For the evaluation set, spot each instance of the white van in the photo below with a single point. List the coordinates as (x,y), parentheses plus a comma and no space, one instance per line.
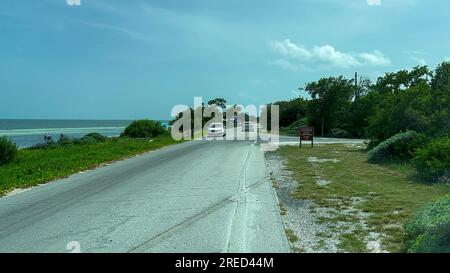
(216,130)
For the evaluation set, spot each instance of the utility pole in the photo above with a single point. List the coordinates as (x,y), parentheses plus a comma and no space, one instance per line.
(323,121)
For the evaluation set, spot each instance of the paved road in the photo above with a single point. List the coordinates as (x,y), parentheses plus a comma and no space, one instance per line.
(200,196)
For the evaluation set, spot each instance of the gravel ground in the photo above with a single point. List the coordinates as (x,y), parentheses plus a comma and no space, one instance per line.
(302,217)
(297,214)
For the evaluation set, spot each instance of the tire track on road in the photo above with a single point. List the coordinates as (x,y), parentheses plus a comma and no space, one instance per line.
(242,190)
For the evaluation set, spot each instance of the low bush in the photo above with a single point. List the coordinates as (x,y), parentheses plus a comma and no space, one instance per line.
(429,230)
(40,146)
(339,133)
(144,129)
(89,140)
(98,137)
(433,161)
(65,140)
(372,144)
(401,147)
(293,129)
(8,150)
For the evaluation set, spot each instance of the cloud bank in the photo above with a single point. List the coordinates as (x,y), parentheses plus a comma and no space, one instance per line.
(324,55)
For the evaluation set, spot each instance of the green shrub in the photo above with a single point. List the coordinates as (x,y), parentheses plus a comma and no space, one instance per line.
(293,129)
(89,140)
(429,230)
(372,144)
(96,136)
(401,147)
(8,151)
(433,160)
(47,145)
(65,140)
(339,133)
(144,129)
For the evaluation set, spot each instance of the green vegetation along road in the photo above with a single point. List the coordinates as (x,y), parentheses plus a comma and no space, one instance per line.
(334,200)
(37,166)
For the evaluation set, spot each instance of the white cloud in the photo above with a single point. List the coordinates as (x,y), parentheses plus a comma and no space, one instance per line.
(324,55)
(374,2)
(376,58)
(329,54)
(290,49)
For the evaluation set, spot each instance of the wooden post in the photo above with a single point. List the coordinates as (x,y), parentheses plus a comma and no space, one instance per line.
(300,136)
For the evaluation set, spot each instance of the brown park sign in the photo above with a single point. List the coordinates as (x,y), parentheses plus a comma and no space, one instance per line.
(307,134)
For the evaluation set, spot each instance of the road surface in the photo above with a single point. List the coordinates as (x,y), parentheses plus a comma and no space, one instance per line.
(200,196)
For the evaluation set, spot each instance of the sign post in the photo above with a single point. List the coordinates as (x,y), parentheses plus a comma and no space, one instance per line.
(307,134)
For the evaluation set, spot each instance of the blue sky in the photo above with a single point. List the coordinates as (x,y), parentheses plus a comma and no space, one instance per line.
(117,59)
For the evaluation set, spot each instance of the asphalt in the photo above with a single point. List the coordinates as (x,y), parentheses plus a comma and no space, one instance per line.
(199,196)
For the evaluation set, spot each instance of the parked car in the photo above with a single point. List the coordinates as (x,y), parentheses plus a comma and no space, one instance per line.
(216,130)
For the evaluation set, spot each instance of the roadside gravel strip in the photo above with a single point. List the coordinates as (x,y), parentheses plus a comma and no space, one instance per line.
(297,215)
(302,225)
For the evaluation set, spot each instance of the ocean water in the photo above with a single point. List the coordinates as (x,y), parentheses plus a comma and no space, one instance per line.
(26,133)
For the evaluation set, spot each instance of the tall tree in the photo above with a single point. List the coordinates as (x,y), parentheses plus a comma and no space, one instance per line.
(330,98)
(222,103)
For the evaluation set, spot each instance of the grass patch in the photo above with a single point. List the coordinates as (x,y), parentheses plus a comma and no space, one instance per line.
(384,197)
(282,210)
(33,167)
(351,242)
(291,236)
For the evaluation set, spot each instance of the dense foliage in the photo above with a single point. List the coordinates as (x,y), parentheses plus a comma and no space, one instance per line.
(433,160)
(144,129)
(8,151)
(292,111)
(292,130)
(401,146)
(429,230)
(339,133)
(98,137)
(416,99)
(331,99)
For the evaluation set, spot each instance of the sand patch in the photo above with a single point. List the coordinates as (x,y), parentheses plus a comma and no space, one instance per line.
(314,159)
